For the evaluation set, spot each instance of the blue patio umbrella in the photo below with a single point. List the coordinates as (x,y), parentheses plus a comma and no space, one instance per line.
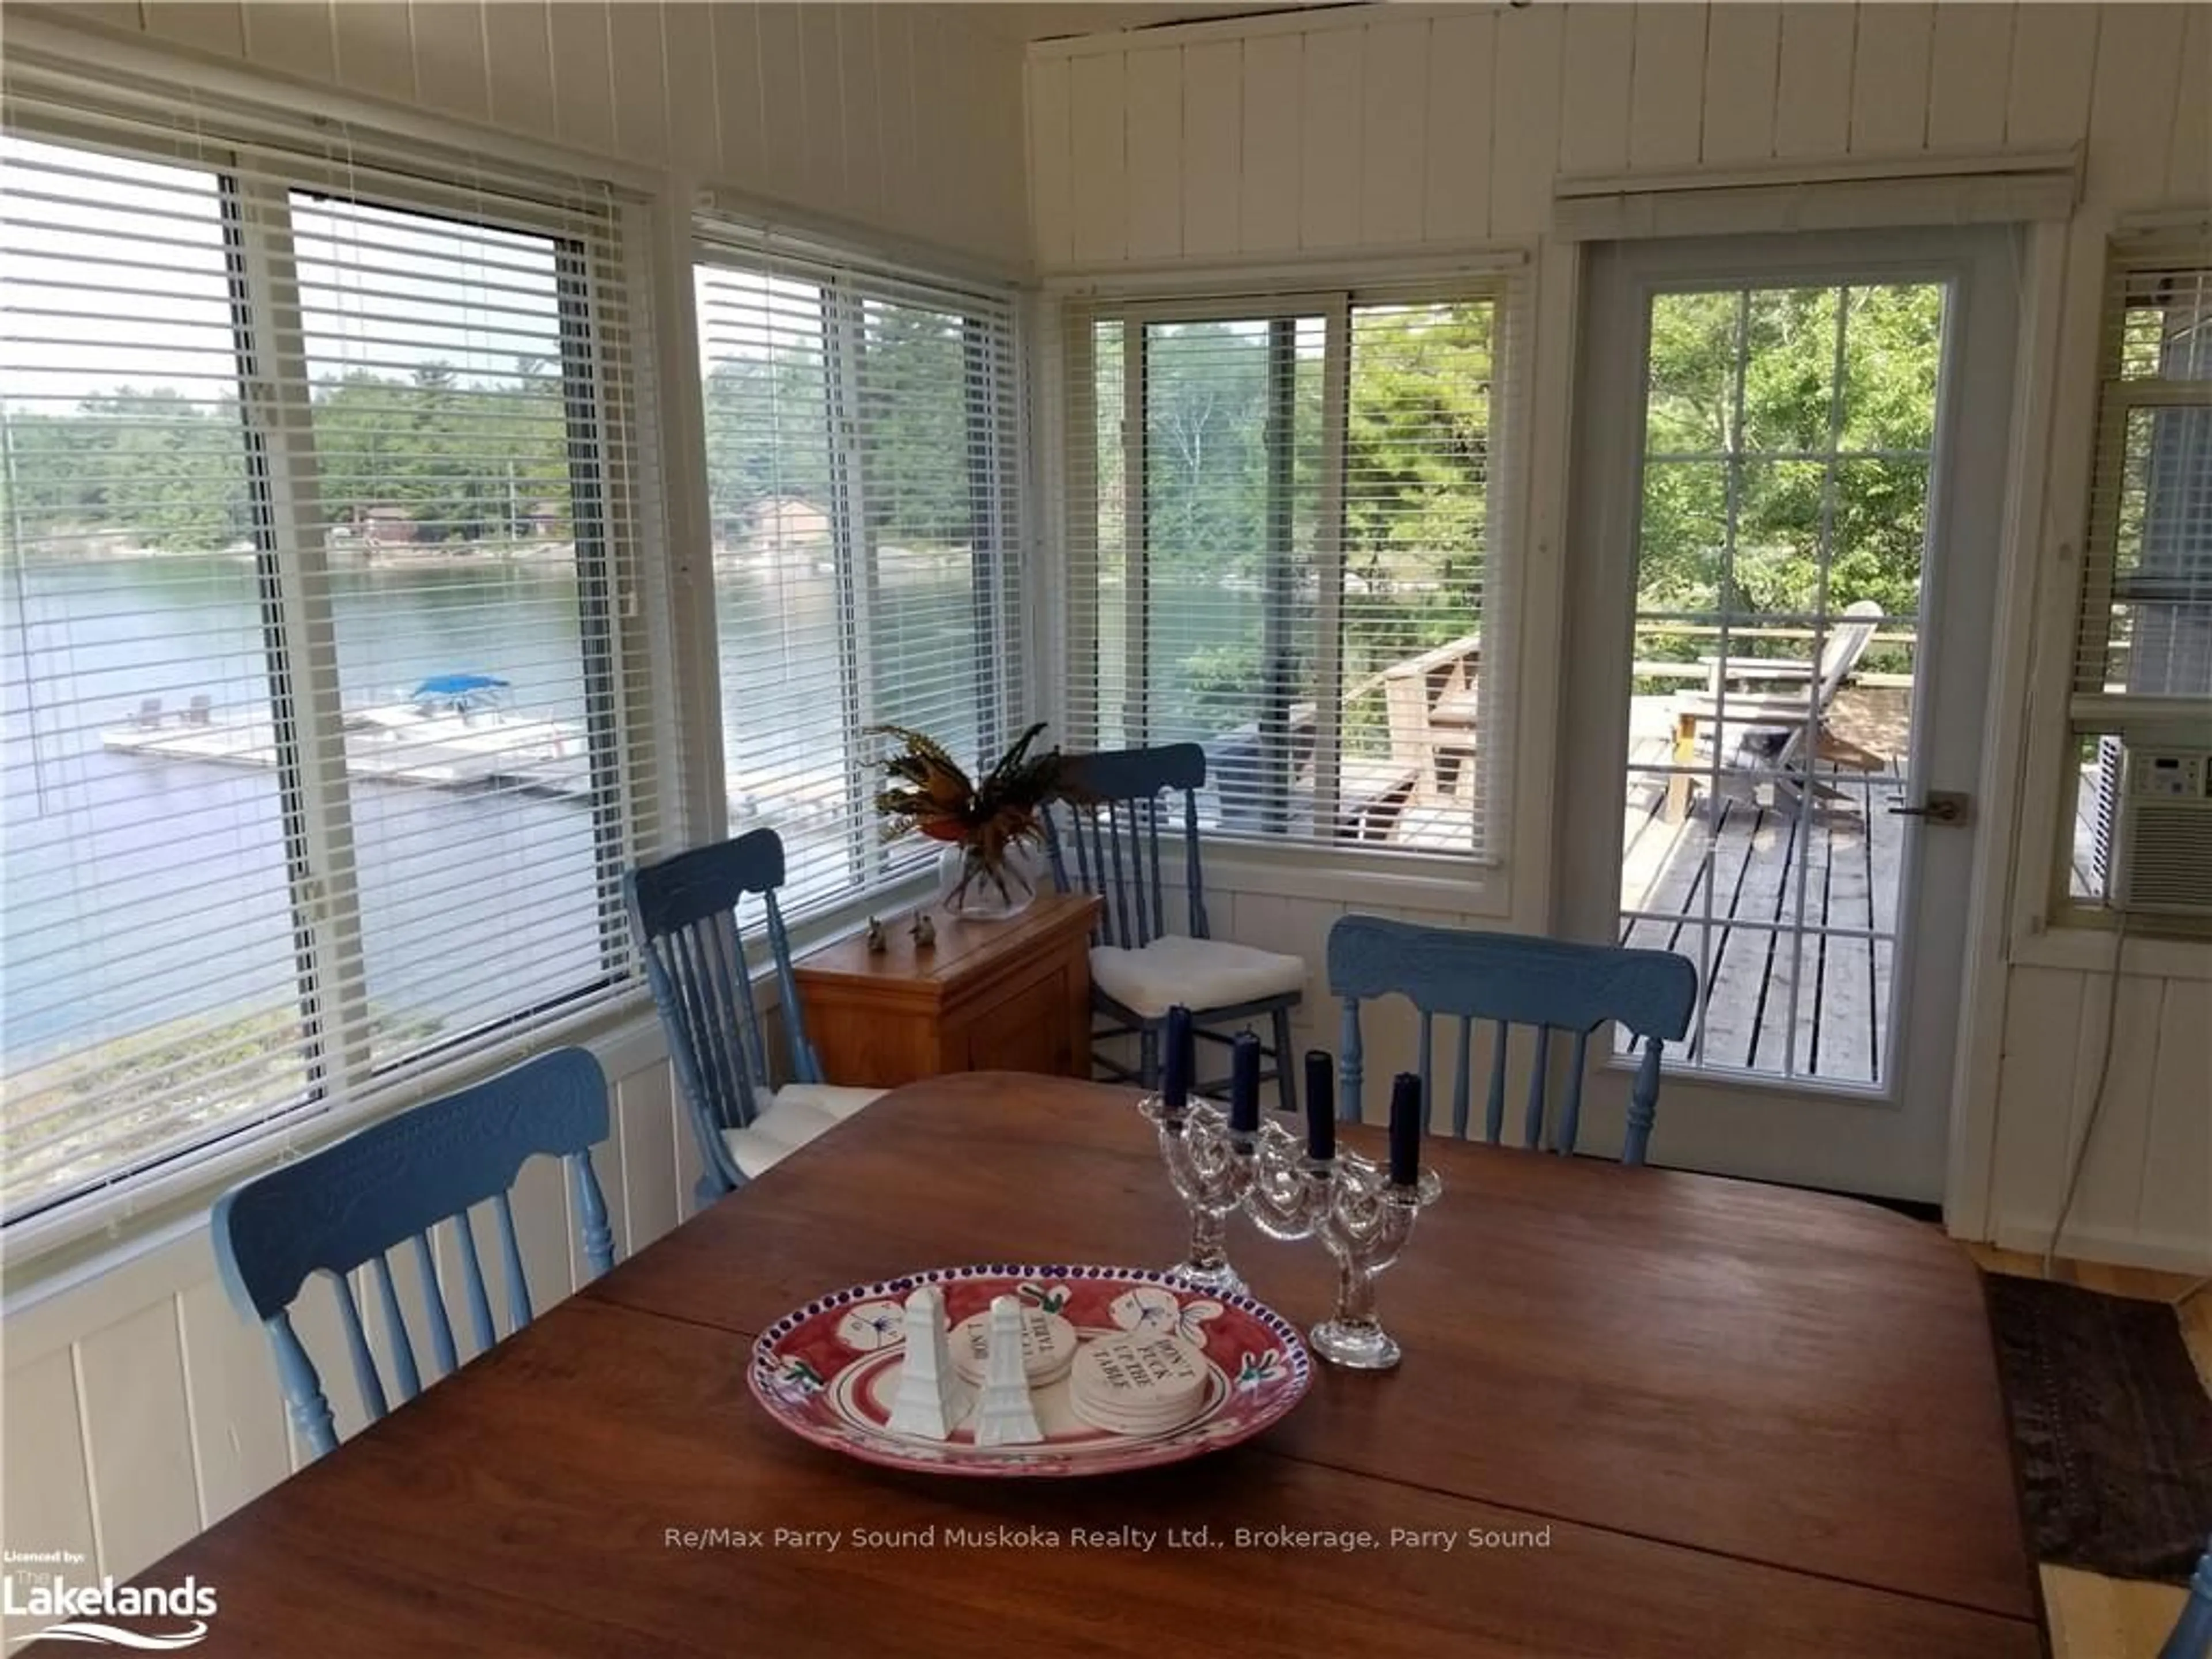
(457,685)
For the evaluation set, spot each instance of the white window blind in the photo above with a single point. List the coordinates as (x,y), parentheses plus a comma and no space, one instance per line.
(1283,538)
(861,442)
(2146,624)
(2143,634)
(328,735)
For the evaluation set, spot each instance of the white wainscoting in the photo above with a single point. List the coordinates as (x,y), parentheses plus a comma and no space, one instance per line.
(2145,1191)
(139,1405)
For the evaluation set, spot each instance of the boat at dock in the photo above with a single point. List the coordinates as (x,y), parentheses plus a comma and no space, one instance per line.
(452,732)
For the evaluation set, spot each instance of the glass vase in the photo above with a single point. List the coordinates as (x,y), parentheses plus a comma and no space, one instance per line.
(974,888)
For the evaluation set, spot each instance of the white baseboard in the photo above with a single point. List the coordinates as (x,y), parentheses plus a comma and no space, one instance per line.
(2168,1253)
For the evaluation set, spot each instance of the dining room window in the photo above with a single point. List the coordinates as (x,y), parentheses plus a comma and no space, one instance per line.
(1283,537)
(2142,629)
(862,444)
(318,603)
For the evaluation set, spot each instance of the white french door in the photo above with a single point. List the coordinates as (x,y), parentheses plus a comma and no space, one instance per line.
(1791,467)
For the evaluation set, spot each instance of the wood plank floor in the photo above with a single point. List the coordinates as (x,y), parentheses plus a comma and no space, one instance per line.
(2093,1617)
(1723,886)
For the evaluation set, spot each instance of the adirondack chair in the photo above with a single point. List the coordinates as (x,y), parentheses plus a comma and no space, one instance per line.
(1110,844)
(2192,1631)
(1430,704)
(1551,985)
(349,1204)
(684,915)
(1785,731)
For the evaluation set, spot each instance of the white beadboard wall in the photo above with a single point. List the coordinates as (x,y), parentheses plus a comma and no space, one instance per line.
(1373,129)
(904,117)
(1376,131)
(139,1405)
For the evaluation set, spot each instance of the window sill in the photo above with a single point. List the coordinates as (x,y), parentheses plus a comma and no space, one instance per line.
(94,1235)
(846,917)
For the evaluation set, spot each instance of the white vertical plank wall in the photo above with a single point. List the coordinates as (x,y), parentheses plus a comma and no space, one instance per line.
(1504,99)
(904,118)
(1154,88)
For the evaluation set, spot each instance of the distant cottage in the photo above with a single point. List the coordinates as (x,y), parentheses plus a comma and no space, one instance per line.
(384,526)
(786,525)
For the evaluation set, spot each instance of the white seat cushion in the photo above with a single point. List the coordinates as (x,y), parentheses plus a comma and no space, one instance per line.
(839,1102)
(1194,973)
(799,1112)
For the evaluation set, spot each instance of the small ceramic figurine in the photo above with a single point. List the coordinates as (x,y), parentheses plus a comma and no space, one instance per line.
(931,1398)
(878,944)
(925,930)
(1004,1416)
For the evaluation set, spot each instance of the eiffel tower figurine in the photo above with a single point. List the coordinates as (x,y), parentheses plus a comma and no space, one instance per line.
(1004,1417)
(929,1397)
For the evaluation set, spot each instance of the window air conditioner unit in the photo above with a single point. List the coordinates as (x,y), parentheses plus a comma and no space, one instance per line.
(2153,827)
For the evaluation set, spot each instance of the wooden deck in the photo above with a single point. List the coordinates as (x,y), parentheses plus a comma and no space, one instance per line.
(1723,886)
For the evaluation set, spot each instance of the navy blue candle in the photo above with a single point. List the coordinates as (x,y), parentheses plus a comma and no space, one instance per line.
(1320,1104)
(1175,1070)
(1406,1129)
(1245,1083)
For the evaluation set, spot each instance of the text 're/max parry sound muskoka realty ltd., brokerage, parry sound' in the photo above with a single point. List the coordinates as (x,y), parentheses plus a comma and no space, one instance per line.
(1142,1540)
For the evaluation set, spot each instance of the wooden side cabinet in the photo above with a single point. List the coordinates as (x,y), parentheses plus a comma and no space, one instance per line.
(989,996)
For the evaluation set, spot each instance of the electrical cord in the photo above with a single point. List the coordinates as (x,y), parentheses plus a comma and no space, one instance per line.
(2097,1100)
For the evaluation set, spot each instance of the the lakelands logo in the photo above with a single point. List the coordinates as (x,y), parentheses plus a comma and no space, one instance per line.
(33,1586)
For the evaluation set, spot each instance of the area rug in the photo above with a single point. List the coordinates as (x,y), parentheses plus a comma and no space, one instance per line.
(2111,1429)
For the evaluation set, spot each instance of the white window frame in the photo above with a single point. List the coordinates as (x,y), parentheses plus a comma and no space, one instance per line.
(843,272)
(1474,885)
(2085,624)
(504,184)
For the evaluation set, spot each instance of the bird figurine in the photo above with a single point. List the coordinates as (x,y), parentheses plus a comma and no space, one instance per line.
(878,942)
(925,931)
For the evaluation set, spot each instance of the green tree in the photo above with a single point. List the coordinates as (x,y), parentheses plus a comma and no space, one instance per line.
(1416,469)
(153,466)
(1799,478)
(914,440)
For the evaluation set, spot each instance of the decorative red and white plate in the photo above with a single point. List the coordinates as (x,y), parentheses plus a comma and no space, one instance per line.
(829,1371)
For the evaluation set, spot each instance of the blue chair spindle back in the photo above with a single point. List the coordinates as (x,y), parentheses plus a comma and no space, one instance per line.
(355,1200)
(2192,1631)
(1107,840)
(1509,979)
(683,913)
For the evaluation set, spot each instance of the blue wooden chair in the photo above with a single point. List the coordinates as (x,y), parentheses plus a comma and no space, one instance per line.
(358,1199)
(684,913)
(2192,1631)
(1108,840)
(1551,985)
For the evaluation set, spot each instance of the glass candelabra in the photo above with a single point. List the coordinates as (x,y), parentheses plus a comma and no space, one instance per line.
(1210,1166)
(1364,1222)
(1362,1215)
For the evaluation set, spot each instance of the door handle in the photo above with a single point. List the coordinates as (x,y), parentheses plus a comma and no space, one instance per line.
(1941,806)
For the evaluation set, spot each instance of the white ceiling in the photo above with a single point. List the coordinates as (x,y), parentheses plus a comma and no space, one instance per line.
(1044,19)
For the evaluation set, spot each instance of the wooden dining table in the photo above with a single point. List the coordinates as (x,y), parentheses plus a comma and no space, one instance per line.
(1641,1413)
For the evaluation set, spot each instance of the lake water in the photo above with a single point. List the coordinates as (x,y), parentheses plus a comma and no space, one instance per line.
(141,891)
